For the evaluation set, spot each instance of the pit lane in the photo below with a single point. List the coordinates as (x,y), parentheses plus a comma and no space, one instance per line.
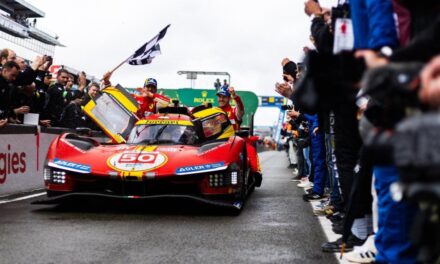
(276,226)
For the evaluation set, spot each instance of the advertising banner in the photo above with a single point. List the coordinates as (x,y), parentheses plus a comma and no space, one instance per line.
(18,163)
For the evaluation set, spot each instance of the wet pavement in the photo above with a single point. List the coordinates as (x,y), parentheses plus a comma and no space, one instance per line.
(275,226)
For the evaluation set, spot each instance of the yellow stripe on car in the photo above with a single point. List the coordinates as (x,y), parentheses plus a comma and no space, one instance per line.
(121,98)
(208,112)
(165,122)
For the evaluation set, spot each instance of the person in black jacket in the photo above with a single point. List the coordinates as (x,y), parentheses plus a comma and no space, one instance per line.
(57,100)
(8,75)
(321,31)
(72,115)
(28,75)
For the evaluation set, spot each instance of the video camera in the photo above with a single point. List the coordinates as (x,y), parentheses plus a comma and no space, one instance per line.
(392,91)
(402,135)
(417,156)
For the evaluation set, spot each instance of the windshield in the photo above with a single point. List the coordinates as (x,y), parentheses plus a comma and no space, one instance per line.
(165,133)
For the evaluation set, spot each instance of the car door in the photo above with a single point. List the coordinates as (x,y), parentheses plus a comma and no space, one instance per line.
(113,110)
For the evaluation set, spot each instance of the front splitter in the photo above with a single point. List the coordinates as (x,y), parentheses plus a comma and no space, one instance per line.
(68,196)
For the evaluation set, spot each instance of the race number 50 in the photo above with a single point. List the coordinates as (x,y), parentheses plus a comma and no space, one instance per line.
(137,158)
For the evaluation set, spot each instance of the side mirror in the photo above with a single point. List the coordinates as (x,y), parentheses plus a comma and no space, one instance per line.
(242,133)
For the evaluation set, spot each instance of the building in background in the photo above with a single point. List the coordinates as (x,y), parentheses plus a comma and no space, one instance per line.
(19,30)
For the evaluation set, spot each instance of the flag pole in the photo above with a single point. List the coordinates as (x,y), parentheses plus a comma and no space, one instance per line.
(120,64)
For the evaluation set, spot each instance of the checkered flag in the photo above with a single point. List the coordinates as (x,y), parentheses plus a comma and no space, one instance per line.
(148,51)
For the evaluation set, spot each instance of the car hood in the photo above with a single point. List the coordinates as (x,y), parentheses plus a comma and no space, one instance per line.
(144,161)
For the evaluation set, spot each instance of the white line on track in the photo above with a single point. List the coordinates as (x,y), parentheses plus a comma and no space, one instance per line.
(22,198)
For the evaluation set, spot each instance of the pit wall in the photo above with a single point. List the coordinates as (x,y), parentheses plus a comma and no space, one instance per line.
(23,150)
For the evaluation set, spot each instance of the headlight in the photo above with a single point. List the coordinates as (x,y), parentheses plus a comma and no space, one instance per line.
(222,179)
(54,176)
(234,177)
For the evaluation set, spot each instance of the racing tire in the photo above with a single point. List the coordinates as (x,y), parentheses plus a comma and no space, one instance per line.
(242,195)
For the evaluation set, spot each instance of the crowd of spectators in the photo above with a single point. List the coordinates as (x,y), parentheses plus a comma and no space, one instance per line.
(21,19)
(346,101)
(32,89)
(337,114)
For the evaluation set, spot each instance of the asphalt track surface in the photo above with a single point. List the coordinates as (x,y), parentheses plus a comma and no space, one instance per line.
(276,226)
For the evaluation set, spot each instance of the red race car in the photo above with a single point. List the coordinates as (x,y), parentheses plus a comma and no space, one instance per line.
(176,153)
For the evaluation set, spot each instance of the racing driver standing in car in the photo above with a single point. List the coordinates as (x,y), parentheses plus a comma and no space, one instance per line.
(148,99)
(235,115)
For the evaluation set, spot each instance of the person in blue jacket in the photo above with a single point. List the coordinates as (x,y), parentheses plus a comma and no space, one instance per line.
(374,29)
(317,146)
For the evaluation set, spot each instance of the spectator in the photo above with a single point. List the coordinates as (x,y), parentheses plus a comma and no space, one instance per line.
(28,75)
(82,81)
(217,84)
(225,84)
(72,115)
(430,89)
(7,55)
(69,93)
(92,91)
(322,34)
(9,73)
(57,101)
(22,63)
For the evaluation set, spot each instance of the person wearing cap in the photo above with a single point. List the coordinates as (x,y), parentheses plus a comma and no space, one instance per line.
(235,115)
(149,100)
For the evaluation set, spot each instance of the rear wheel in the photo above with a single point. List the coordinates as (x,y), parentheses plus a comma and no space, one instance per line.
(244,182)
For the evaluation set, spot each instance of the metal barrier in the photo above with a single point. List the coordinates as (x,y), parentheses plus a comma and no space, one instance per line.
(23,150)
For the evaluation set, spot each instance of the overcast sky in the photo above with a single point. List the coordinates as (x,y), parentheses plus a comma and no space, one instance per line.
(246,38)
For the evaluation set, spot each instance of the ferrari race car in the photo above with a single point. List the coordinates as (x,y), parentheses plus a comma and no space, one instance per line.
(175,153)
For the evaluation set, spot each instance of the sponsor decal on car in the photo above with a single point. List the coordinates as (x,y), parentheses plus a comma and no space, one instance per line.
(70,166)
(201,168)
(165,122)
(136,161)
(168,149)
